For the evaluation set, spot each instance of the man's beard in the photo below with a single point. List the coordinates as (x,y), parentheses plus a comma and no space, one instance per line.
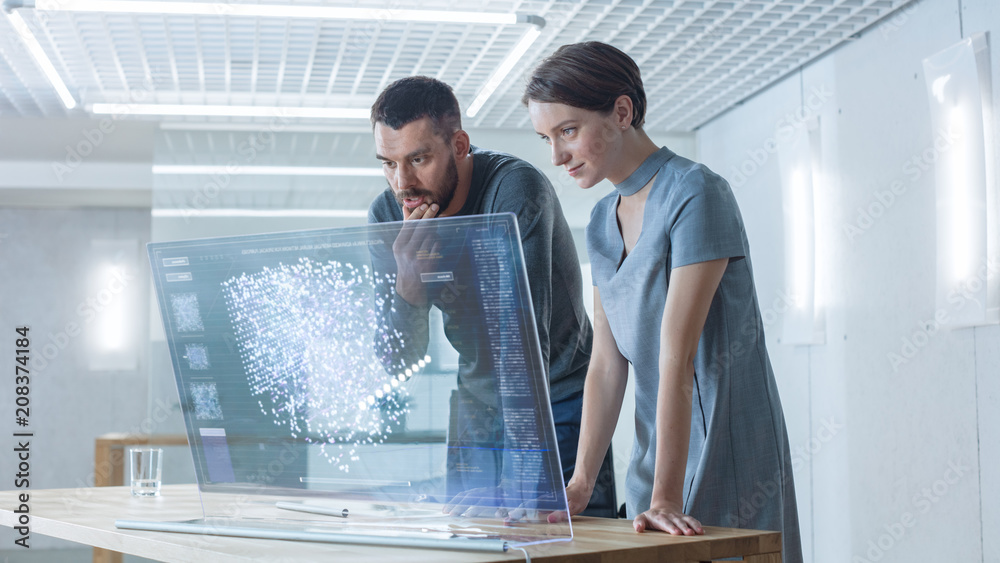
(449,183)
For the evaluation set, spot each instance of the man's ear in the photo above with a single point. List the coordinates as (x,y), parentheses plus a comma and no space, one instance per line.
(460,144)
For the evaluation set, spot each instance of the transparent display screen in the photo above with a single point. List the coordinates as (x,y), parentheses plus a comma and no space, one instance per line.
(385,377)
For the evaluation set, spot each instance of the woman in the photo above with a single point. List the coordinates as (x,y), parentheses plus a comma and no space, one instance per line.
(673,296)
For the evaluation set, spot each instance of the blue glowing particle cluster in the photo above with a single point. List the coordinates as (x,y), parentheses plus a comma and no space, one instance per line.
(305,333)
(205,398)
(197,356)
(187,315)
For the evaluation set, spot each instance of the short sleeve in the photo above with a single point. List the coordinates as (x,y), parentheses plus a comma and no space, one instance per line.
(707,224)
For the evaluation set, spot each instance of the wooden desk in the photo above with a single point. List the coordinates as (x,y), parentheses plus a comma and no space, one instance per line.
(87,516)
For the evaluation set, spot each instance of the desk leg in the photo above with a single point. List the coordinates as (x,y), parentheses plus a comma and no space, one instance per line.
(102,464)
(106,556)
(108,471)
(117,456)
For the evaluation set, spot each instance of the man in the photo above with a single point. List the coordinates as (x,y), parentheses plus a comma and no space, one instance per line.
(434,171)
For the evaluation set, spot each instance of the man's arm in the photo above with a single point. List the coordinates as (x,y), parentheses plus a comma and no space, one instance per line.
(526,192)
(401,332)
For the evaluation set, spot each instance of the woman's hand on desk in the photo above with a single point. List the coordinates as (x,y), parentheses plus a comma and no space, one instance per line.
(668,519)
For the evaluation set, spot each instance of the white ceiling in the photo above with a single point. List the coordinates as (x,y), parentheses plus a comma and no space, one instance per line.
(698,57)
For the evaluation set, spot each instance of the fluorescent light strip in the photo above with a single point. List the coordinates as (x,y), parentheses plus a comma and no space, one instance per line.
(230,127)
(500,74)
(263,213)
(801,222)
(48,69)
(962,202)
(273,11)
(183,169)
(228,111)
(308,12)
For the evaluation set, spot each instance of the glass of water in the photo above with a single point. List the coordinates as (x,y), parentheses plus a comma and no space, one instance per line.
(146,465)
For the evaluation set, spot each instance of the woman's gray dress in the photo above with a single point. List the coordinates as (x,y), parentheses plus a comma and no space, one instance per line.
(739,469)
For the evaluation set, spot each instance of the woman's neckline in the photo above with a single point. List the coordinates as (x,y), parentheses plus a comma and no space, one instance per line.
(644,173)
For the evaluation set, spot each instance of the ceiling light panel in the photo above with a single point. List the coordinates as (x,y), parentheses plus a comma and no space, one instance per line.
(699,57)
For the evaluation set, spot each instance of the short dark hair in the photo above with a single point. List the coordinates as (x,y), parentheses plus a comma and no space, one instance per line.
(589,75)
(411,98)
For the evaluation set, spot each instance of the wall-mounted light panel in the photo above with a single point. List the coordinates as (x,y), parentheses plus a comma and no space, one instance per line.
(959,94)
(111,306)
(799,161)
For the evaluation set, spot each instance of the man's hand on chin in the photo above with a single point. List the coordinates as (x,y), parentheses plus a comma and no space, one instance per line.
(423,211)
(415,248)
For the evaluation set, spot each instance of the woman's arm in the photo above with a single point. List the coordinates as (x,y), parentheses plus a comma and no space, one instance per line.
(689,297)
(602,401)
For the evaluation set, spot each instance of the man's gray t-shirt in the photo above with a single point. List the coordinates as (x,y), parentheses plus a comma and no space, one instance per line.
(502,183)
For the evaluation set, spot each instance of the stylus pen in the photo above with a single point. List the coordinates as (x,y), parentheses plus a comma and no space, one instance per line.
(312,509)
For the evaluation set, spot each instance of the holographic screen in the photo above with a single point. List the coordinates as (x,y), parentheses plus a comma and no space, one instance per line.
(388,367)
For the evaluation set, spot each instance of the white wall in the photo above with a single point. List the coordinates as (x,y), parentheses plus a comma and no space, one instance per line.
(46,258)
(896,430)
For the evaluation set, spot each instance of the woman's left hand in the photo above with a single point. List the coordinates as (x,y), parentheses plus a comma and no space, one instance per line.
(669,519)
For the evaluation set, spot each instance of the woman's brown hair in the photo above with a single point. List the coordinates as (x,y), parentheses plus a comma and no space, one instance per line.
(589,75)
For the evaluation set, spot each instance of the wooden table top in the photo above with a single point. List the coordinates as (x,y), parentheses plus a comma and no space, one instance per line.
(87,516)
